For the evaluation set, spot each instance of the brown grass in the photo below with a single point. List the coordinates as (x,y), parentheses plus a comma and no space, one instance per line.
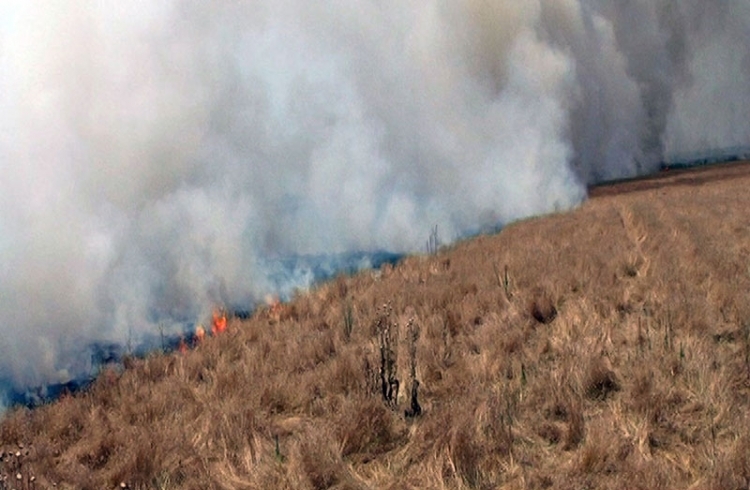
(602,348)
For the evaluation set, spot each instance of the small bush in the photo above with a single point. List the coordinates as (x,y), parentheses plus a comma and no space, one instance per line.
(320,460)
(542,308)
(365,427)
(576,427)
(601,381)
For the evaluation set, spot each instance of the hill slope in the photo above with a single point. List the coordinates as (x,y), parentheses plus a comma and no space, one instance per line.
(608,347)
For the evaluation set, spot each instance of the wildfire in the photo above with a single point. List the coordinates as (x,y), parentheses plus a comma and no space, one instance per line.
(275,308)
(219,322)
(218,326)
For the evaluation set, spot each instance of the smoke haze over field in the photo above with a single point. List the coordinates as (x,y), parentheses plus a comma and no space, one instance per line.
(157,157)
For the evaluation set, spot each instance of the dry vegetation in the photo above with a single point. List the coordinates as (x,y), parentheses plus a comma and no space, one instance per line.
(607,347)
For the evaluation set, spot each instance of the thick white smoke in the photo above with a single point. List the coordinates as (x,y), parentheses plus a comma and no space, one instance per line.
(156,157)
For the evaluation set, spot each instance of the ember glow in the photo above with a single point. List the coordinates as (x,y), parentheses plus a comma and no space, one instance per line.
(218,322)
(160,158)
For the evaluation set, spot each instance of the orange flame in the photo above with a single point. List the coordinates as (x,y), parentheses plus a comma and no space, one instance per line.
(219,322)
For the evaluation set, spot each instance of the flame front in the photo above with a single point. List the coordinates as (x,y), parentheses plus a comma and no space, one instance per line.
(219,322)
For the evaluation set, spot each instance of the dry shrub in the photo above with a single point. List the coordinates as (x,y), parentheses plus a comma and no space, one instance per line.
(99,457)
(563,414)
(542,306)
(320,460)
(144,466)
(274,475)
(658,407)
(600,381)
(157,366)
(513,341)
(311,349)
(276,396)
(68,425)
(432,435)
(641,394)
(137,461)
(576,426)
(734,472)
(105,389)
(366,427)
(550,433)
(341,287)
(453,322)
(558,410)
(345,375)
(238,432)
(15,427)
(497,421)
(543,311)
(605,452)
(480,436)
(467,452)
(594,458)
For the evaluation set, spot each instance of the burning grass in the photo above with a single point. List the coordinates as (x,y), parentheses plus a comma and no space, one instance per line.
(603,348)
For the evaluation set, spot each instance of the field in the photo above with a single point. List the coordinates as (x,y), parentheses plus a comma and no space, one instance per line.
(607,347)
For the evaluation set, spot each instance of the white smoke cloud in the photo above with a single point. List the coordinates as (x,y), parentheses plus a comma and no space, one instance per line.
(156,157)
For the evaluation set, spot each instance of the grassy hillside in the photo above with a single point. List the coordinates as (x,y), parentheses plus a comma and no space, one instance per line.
(608,347)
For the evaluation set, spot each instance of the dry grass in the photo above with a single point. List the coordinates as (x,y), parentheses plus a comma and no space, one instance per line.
(603,348)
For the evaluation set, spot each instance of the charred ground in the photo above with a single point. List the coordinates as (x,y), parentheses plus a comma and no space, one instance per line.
(608,347)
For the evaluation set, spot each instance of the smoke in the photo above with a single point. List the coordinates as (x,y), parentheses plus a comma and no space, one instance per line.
(161,157)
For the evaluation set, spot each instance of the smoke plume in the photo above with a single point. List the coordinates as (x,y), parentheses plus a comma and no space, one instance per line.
(158,158)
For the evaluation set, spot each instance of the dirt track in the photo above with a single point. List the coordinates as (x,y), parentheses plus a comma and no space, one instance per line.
(677,177)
